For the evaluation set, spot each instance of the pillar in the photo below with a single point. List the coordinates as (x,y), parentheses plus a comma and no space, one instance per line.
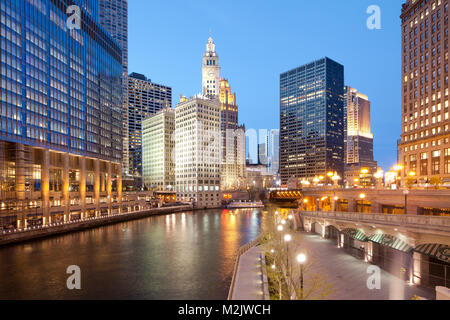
(20,184)
(65,186)
(109,186)
(45,185)
(97,186)
(351,205)
(119,185)
(376,207)
(83,186)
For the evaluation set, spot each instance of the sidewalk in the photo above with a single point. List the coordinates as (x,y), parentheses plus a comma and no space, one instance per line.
(348,275)
(249,278)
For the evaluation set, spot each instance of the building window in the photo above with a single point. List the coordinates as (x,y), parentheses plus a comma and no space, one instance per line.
(424,164)
(435,162)
(447,160)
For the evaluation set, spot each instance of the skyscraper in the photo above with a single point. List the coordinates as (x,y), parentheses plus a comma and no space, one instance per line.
(113,17)
(311,124)
(273,152)
(425,145)
(233,140)
(144,99)
(359,138)
(211,71)
(197,151)
(61,116)
(158,146)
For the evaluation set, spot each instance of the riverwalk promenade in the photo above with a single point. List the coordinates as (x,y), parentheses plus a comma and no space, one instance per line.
(10,237)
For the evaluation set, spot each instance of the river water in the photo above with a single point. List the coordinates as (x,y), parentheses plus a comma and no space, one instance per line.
(178,256)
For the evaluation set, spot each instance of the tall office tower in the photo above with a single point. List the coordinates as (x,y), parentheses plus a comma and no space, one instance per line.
(263,154)
(425,135)
(273,152)
(233,140)
(211,71)
(158,150)
(113,17)
(197,151)
(61,118)
(144,99)
(312,112)
(359,139)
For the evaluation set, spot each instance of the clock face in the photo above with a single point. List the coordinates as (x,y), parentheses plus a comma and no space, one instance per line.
(211,73)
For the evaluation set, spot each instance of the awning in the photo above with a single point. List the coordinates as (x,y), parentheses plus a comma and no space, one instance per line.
(438,251)
(391,242)
(355,234)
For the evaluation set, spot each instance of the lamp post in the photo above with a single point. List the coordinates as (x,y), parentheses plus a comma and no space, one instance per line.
(406,192)
(301,258)
(287,239)
(398,168)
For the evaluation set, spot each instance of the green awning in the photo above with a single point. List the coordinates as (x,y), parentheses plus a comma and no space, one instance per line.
(438,251)
(355,234)
(391,242)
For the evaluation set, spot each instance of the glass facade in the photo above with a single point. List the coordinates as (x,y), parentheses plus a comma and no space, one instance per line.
(61,115)
(312,120)
(60,88)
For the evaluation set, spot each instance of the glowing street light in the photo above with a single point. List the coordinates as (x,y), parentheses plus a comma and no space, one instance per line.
(287,238)
(301,259)
(362,196)
(280,228)
(283,222)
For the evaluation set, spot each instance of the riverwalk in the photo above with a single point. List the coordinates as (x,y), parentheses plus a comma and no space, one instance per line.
(250,280)
(7,237)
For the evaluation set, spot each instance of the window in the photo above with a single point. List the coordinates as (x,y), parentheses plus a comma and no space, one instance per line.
(435,162)
(447,160)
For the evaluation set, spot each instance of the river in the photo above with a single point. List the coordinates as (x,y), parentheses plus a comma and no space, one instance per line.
(180,256)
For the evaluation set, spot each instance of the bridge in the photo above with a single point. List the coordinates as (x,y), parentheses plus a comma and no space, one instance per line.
(288,198)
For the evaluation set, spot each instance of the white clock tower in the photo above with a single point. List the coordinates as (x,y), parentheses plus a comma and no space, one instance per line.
(211,71)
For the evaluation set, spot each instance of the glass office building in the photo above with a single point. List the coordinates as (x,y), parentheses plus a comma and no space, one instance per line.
(61,118)
(312,120)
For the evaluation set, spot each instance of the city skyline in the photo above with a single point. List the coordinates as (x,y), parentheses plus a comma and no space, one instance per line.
(257,87)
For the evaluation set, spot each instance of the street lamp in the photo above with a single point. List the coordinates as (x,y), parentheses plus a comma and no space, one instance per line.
(287,239)
(280,228)
(301,259)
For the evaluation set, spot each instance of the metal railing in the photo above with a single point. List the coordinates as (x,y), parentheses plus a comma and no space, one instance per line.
(239,253)
(84,220)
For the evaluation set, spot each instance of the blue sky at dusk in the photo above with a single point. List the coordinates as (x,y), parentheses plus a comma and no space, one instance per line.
(258,40)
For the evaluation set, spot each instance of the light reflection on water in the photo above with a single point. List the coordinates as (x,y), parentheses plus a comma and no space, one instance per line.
(178,256)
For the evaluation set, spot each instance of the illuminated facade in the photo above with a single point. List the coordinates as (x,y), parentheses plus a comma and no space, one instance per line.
(358,137)
(113,17)
(61,115)
(312,120)
(211,71)
(158,151)
(197,151)
(144,99)
(425,146)
(233,140)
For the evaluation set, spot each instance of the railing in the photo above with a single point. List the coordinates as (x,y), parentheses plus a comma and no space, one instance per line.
(239,253)
(71,222)
(429,222)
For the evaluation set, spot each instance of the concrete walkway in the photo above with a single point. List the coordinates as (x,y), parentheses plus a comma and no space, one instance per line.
(249,283)
(348,275)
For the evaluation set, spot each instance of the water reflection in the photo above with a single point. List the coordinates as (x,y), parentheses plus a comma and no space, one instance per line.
(182,256)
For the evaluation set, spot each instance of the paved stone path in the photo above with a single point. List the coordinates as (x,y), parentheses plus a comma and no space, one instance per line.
(348,275)
(249,278)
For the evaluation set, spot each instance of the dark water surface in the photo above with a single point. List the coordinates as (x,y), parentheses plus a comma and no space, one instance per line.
(179,256)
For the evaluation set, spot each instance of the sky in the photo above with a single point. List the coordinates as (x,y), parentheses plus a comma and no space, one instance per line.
(258,40)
